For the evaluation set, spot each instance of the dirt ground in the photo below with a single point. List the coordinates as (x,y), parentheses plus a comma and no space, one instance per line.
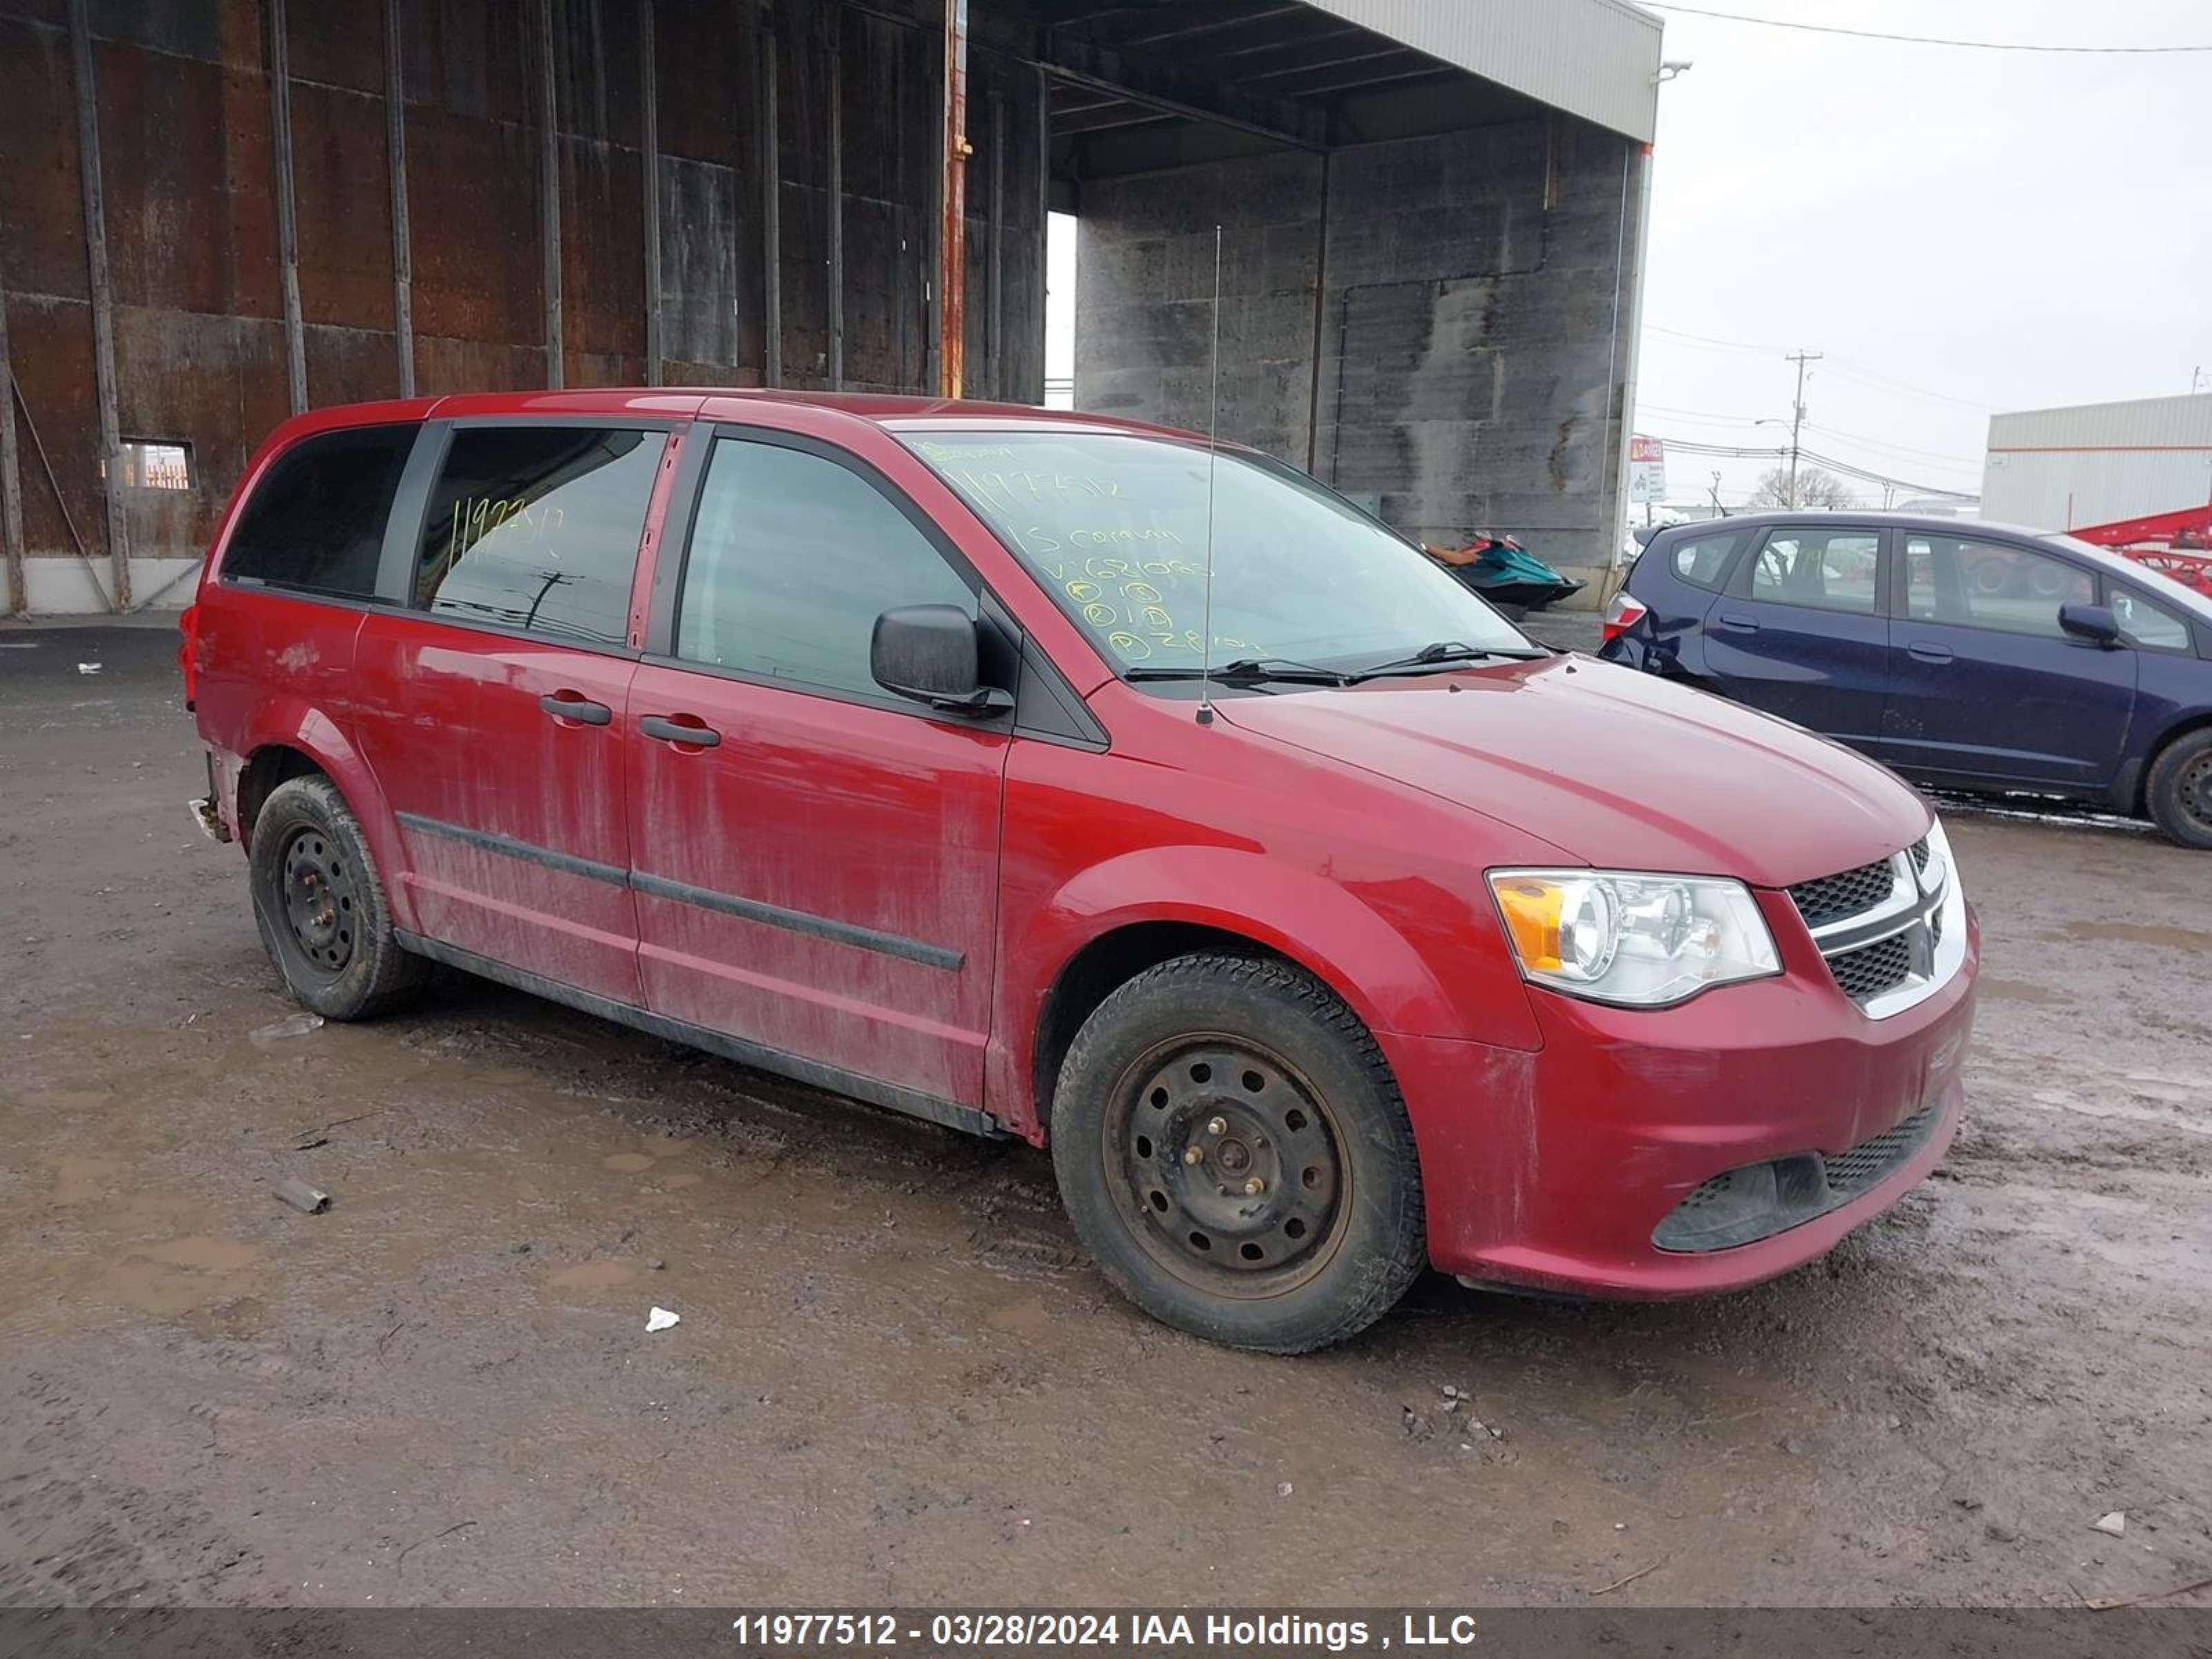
(897,1380)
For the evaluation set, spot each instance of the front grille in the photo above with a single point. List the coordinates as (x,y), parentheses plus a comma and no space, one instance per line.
(1879,927)
(1831,898)
(1873,969)
(1865,1165)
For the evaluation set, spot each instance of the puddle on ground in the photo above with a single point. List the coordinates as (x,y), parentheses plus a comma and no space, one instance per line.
(604,1274)
(677,1183)
(2138,1105)
(1028,1317)
(178,1276)
(628,1162)
(2136,932)
(84,1180)
(2018,990)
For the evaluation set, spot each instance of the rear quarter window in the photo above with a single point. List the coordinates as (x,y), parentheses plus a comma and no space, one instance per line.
(315,521)
(1702,561)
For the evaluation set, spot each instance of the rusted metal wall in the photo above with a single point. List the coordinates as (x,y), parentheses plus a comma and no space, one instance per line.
(190,166)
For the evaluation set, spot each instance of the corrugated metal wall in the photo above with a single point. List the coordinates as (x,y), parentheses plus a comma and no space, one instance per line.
(2060,469)
(191,170)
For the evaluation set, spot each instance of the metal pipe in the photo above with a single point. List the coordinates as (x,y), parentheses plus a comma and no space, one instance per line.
(288,226)
(1043,227)
(11,479)
(103,302)
(1320,322)
(403,236)
(649,78)
(836,106)
(952,239)
(995,304)
(549,192)
(771,216)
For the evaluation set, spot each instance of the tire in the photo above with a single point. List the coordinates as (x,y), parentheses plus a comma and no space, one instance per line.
(1166,1067)
(321,908)
(2178,790)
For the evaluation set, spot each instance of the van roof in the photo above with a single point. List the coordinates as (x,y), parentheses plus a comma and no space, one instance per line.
(890,410)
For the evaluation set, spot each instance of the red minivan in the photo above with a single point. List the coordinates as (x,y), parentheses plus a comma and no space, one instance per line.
(1058,777)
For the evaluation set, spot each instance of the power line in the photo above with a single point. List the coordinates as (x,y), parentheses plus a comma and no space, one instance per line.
(1924,40)
(1865,474)
(1696,416)
(1882,382)
(1904,450)
(1708,340)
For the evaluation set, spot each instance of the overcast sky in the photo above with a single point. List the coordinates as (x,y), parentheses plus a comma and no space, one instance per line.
(2009,230)
(1960,231)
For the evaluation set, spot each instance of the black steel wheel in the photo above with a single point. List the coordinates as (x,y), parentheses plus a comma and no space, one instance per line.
(1231,1163)
(1233,1151)
(2178,790)
(321,908)
(321,899)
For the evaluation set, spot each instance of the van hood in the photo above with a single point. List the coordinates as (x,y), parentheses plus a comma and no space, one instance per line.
(1621,769)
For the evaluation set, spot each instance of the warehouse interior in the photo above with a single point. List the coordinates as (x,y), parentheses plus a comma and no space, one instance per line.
(215,212)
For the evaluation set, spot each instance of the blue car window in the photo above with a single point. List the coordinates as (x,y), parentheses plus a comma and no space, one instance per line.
(1825,569)
(1702,560)
(1995,584)
(2144,623)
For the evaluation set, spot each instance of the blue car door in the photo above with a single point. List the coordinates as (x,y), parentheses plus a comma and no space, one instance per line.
(1800,631)
(1986,687)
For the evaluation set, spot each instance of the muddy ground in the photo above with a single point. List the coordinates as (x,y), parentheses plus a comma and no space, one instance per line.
(897,1380)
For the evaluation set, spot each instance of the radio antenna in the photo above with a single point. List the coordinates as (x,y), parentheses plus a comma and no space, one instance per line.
(1212,454)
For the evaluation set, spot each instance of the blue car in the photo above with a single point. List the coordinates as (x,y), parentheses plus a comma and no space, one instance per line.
(1967,656)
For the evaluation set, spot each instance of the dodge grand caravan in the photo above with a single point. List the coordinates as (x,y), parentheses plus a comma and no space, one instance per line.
(1320,924)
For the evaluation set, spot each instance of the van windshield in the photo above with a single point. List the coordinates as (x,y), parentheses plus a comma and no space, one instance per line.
(1114,526)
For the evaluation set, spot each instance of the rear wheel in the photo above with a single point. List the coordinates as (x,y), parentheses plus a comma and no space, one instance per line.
(1232,1150)
(320,907)
(2178,790)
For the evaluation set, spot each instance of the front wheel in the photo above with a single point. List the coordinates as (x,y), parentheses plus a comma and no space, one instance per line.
(2178,790)
(321,906)
(1232,1150)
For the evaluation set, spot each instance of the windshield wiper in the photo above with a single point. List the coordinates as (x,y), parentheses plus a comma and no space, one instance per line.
(1441,651)
(1249,670)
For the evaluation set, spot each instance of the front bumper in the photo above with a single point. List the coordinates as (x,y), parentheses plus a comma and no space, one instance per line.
(1553,1170)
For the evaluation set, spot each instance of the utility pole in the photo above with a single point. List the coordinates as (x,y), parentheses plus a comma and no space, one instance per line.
(1797,416)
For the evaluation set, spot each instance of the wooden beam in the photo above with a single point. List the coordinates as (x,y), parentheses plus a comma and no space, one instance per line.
(548,193)
(103,302)
(952,203)
(771,185)
(835,119)
(649,80)
(288,228)
(403,235)
(1179,91)
(11,477)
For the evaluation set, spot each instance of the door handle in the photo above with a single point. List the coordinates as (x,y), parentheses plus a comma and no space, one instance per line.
(682,731)
(574,706)
(1739,624)
(1921,651)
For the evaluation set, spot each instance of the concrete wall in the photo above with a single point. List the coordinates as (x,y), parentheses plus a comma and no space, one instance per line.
(1443,326)
(187,160)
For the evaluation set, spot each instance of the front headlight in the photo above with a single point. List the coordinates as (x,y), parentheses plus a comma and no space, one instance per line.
(1642,941)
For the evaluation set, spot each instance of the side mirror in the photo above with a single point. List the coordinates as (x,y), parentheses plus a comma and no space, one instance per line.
(2094,623)
(929,652)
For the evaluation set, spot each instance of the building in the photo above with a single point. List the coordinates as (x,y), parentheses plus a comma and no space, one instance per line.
(215,212)
(2065,469)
